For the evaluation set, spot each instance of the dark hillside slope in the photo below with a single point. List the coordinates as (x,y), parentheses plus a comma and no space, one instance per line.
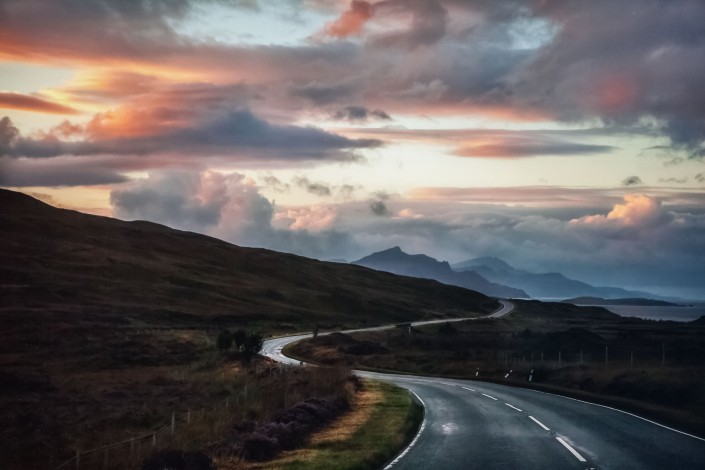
(63,265)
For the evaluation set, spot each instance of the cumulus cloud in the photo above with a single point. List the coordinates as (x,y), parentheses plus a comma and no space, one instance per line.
(638,209)
(230,207)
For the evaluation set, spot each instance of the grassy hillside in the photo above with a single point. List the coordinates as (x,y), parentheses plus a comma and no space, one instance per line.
(59,264)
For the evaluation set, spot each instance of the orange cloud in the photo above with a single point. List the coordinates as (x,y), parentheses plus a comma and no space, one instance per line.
(638,209)
(351,21)
(33,103)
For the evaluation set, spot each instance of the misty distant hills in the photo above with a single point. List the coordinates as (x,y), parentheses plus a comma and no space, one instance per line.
(394,260)
(542,284)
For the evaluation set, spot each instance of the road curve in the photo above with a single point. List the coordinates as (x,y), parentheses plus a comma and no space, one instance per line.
(472,424)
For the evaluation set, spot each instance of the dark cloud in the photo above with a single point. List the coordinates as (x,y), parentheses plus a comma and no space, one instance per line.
(238,134)
(378,205)
(379,208)
(360,114)
(323,93)
(428,23)
(632,181)
(317,188)
(276,184)
(56,172)
(673,180)
(619,61)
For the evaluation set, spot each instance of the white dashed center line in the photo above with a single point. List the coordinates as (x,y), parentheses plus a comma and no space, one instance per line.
(513,407)
(469,389)
(539,423)
(572,451)
(488,396)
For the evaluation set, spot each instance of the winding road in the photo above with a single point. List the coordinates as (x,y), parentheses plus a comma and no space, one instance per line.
(478,425)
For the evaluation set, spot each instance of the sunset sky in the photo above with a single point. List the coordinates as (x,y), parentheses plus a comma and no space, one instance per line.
(557,135)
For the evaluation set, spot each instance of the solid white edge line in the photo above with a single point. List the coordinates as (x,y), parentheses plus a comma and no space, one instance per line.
(470,389)
(514,407)
(539,423)
(490,396)
(572,451)
(621,411)
(416,437)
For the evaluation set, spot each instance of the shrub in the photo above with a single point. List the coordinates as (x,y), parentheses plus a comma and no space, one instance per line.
(178,460)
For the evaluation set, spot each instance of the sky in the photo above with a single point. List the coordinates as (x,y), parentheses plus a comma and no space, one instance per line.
(558,135)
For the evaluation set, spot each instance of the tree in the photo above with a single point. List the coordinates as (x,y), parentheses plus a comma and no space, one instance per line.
(239,337)
(224,341)
(252,346)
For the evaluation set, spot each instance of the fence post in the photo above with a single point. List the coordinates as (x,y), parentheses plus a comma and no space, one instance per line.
(78,459)
(154,439)
(173,422)
(188,416)
(227,403)
(132,445)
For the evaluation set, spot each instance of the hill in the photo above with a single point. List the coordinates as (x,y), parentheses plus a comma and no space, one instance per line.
(394,260)
(59,264)
(541,285)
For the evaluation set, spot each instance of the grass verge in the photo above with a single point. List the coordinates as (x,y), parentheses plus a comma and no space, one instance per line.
(383,422)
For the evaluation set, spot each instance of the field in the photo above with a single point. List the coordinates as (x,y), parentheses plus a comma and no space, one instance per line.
(656,368)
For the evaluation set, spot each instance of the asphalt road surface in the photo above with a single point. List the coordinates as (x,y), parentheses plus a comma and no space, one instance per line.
(477,425)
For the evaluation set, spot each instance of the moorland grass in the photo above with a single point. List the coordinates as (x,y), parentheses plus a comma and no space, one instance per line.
(393,422)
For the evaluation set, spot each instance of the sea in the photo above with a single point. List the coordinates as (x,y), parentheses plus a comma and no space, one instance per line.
(684,313)
(680,313)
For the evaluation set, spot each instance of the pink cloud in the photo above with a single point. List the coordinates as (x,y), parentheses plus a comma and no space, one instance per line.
(23,102)
(352,21)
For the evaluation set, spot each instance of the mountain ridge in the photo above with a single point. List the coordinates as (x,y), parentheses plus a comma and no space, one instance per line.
(544,285)
(396,261)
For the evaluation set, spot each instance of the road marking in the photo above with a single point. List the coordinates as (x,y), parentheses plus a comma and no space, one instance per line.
(449,384)
(539,423)
(514,407)
(621,411)
(469,389)
(416,438)
(572,451)
(488,396)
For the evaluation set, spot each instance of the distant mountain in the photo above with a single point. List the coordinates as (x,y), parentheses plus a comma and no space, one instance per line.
(394,260)
(554,285)
(634,302)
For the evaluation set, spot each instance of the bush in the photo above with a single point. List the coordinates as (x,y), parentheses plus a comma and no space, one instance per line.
(260,447)
(178,460)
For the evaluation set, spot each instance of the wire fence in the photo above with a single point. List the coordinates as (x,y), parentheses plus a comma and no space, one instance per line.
(128,453)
